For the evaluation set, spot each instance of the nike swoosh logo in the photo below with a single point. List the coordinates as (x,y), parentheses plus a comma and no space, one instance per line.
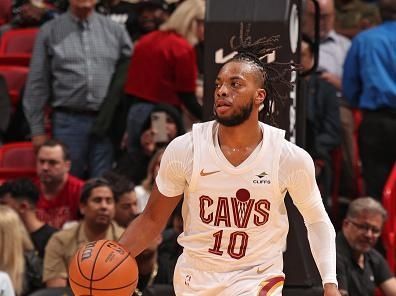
(260,271)
(203,174)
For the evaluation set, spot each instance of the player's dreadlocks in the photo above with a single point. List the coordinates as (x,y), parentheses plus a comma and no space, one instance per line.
(275,75)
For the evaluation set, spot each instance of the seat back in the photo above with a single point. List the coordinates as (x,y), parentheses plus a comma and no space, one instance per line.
(18,41)
(5,11)
(22,59)
(389,232)
(18,155)
(357,163)
(15,77)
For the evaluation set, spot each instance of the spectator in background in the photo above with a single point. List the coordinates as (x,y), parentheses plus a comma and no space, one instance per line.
(133,164)
(163,68)
(22,195)
(353,16)
(33,13)
(333,48)
(97,207)
(120,11)
(126,205)
(143,190)
(151,14)
(323,126)
(75,58)
(370,85)
(18,257)
(360,268)
(59,191)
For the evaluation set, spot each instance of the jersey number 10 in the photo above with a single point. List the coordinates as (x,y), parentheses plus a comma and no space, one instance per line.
(231,250)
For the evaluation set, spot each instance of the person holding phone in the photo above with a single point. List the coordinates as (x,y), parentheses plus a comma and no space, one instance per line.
(163,67)
(161,126)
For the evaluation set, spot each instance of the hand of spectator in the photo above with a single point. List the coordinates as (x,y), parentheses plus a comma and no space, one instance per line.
(343,292)
(331,290)
(31,15)
(124,142)
(332,79)
(147,141)
(38,140)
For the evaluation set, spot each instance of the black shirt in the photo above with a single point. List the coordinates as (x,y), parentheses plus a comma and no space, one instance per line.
(354,279)
(40,238)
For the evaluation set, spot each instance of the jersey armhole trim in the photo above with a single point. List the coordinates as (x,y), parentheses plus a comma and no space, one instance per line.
(196,156)
(277,136)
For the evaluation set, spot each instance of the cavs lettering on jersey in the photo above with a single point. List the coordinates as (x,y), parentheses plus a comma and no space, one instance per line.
(236,216)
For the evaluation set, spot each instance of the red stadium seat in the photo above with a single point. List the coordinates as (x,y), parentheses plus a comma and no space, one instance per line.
(5,11)
(357,165)
(10,173)
(18,41)
(18,155)
(15,77)
(15,60)
(389,232)
(17,160)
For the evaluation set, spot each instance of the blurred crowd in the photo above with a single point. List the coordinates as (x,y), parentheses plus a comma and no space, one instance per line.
(109,83)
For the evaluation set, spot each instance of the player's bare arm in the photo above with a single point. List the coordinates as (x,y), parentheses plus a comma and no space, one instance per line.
(152,221)
(389,287)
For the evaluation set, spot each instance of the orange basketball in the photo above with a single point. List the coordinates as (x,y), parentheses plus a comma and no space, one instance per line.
(103,268)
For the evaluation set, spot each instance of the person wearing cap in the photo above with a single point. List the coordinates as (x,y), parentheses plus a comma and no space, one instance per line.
(121,11)
(151,14)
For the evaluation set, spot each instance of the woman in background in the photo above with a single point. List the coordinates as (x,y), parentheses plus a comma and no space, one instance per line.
(17,256)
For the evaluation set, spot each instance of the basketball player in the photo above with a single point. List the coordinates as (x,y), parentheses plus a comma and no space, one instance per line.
(234,173)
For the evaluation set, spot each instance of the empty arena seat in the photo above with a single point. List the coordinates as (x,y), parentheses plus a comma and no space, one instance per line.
(5,11)
(15,77)
(18,41)
(18,155)
(17,160)
(15,60)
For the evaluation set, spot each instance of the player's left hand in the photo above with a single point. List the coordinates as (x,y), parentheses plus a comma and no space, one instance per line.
(331,290)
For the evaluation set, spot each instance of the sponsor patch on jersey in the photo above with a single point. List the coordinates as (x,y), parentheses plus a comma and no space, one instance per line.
(262,179)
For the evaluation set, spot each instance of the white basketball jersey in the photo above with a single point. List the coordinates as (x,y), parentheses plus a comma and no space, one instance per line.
(234,217)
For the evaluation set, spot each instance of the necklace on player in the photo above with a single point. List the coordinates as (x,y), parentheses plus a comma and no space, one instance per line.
(242,150)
